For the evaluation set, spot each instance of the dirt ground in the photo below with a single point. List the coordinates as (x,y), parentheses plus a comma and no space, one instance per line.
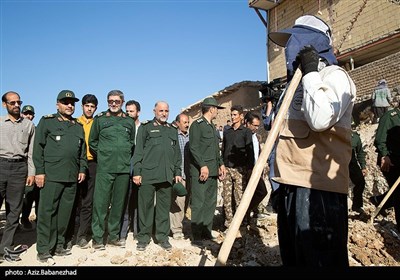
(374,243)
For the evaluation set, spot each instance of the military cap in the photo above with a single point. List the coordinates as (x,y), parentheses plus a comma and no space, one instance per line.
(67,94)
(210,101)
(179,189)
(28,108)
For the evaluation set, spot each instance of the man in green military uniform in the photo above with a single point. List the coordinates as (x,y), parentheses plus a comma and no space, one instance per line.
(59,155)
(388,148)
(206,166)
(111,141)
(156,164)
(357,170)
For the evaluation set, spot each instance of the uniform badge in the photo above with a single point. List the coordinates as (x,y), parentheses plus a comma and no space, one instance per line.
(58,137)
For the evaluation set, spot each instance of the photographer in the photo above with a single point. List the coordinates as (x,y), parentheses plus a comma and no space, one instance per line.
(270,94)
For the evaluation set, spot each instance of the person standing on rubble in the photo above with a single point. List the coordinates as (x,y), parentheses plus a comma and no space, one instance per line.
(388,148)
(314,150)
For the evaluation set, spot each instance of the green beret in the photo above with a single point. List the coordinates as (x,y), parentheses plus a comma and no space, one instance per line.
(179,189)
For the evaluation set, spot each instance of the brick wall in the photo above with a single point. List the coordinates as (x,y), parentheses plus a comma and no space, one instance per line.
(366,77)
(367,20)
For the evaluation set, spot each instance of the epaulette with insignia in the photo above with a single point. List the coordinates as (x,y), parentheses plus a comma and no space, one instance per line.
(394,113)
(49,116)
(100,114)
(199,120)
(145,122)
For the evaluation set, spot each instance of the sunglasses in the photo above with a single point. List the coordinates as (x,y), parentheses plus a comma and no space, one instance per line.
(12,103)
(67,102)
(117,102)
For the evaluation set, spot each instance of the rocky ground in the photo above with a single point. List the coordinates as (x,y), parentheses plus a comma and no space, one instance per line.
(370,243)
(373,242)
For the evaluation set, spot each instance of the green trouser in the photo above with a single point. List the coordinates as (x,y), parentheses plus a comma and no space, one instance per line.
(203,203)
(55,206)
(163,193)
(111,189)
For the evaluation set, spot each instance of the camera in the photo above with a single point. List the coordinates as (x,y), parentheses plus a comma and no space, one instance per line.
(271,91)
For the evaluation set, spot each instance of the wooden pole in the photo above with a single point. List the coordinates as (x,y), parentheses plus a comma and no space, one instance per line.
(392,189)
(257,170)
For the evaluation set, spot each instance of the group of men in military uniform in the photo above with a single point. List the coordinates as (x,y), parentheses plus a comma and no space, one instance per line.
(60,158)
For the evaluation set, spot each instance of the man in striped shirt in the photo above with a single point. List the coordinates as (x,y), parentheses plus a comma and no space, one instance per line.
(179,203)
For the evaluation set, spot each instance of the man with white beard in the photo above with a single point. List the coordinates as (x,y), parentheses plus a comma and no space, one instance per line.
(156,166)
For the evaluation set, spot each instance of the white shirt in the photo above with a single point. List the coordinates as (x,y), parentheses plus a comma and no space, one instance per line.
(256,147)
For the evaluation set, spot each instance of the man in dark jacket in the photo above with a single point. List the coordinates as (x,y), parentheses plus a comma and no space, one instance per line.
(238,155)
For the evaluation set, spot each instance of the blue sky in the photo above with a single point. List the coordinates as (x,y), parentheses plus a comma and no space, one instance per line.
(177,51)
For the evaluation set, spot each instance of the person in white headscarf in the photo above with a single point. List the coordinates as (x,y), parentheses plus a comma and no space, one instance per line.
(381,98)
(314,150)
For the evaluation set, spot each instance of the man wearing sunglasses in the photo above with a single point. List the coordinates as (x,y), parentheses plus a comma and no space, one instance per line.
(16,166)
(111,141)
(59,155)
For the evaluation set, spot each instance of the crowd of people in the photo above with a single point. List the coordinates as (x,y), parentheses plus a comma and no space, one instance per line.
(119,174)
